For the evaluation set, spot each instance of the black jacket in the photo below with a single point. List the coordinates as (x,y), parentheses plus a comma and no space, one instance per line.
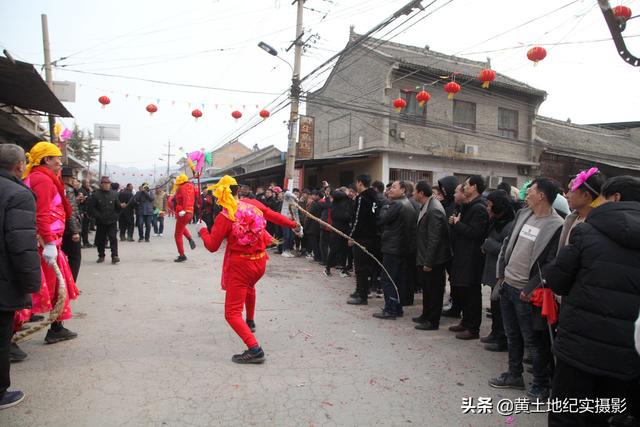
(312,228)
(432,242)
(399,221)
(598,274)
(126,196)
(468,235)
(341,211)
(19,258)
(363,224)
(74,223)
(144,202)
(104,206)
(448,186)
(499,229)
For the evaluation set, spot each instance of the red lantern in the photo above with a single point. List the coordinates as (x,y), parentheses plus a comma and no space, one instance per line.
(399,104)
(236,114)
(451,88)
(264,114)
(536,54)
(151,108)
(196,114)
(622,12)
(104,100)
(486,76)
(423,97)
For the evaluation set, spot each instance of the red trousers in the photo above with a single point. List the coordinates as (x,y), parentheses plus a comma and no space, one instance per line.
(241,279)
(182,230)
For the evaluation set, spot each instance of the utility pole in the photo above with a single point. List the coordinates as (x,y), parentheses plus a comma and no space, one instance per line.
(295,100)
(169,155)
(49,80)
(100,155)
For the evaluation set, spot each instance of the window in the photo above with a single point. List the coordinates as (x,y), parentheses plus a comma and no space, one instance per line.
(413,111)
(410,175)
(508,123)
(464,114)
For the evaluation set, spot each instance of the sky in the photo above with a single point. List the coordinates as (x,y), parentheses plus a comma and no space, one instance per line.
(213,44)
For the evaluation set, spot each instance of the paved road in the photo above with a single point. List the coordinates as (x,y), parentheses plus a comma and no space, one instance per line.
(154,350)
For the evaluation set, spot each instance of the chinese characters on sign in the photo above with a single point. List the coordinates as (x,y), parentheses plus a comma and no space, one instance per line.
(522,405)
(304,148)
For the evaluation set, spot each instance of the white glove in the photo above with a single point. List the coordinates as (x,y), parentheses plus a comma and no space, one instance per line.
(300,232)
(200,225)
(50,253)
(182,213)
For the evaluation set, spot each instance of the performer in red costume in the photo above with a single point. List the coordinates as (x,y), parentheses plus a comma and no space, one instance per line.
(184,199)
(242,223)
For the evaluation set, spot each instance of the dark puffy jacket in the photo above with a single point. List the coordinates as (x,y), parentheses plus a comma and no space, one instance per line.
(104,206)
(399,221)
(468,235)
(499,229)
(341,211)
(598,274)
(125,196)
(144,202)
(363,224)
(19,258)
(312,228)
(74,223)
(432,238)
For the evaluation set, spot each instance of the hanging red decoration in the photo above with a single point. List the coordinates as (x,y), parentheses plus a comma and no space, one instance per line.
(236,114)
(399,104)
(196,114)
(622,12)
(151,108)
(452,88)
(486,76)
(264,114)
(536,54)
(423,97)
(104,100)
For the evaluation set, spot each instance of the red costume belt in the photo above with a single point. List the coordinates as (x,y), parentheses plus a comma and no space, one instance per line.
(252,257)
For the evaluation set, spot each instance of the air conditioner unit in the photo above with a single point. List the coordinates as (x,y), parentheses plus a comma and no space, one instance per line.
(494,181)
(402,136)
(471,149)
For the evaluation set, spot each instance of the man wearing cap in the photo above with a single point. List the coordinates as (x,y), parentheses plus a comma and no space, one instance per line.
(242,223)
(184,200)
(52,211)
(71,244)
(105,207)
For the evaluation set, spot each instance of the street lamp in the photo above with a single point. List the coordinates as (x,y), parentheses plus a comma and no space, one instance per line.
(273,52)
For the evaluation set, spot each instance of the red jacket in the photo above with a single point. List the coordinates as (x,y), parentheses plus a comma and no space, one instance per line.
(185,197)
(50,213)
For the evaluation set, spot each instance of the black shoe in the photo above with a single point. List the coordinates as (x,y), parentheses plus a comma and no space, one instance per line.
(505,380)
(11,398)
(181,258)
(87,245)
(467,335)
(146,240)
(327,272)
(489,339)
(192,244)
(140,240)
(100,259)
(115,260)
(130,239)
(449,313)
(538,392)
(354,295)
(499,347)
(252,325)
(16,354)
(457,328)
(35,318)
(418,319)
(384,315)
(56,336)
(249,356)
(357,301)
(427,326)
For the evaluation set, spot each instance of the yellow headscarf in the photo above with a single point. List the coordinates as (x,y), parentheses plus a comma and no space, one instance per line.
(222,192)
(181,179)
(38,152)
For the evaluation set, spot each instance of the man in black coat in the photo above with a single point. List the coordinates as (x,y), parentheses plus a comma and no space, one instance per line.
(125,220)
(19,258)
(399,222)
(598,277)
(341,213)
(448,186)
(144,210)
(365,231)
(469,231)
(84,193)
(433,251)
(105,207)
(71,245)
(312,228)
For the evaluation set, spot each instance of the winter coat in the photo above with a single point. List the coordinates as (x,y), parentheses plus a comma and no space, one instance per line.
(312,228)
(399,221)
(19,258)
(363,223)
(468,235)
(185,198)
(144,202)
(448,186)
(499,229)
(341,211)
(160,202)
(126,196)
(432,237)
(598,276)
(104,206)
(50,213)
(74,223)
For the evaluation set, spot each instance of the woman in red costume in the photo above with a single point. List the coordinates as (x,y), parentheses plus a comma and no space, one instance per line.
(52,210)
(184,199)
(242,223)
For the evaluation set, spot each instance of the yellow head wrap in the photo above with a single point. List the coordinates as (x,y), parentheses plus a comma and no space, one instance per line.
(222,192)
(181,179)
(38,152)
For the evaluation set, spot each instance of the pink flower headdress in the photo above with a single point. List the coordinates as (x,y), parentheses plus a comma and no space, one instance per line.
(582,178)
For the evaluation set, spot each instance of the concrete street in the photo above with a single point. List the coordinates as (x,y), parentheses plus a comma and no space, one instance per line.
(154,350)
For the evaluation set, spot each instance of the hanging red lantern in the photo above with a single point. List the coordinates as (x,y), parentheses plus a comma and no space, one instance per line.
(104,100)
(399,104)
(452,88)
(486,76)
(196,114)
(264,114)
(423,97)
(236,114)
(622,12)
(536,54)
(151,108)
